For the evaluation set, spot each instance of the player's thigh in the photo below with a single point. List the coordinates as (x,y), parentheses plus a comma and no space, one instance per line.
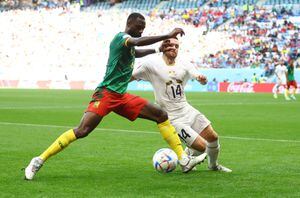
(135,106)
(199,122)
(188,135)
(295,84)
(203,126)
(292,84)
(153,112)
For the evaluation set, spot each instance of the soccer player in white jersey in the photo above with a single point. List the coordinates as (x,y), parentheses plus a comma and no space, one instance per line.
(281,73)
(168,77)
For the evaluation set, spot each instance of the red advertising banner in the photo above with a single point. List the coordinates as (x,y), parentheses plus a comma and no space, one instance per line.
(248,87)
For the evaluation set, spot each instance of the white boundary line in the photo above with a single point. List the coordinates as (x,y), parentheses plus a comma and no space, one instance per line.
(145,132)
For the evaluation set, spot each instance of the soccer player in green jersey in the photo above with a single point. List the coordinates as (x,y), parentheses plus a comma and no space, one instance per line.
(110,95)
(291,79)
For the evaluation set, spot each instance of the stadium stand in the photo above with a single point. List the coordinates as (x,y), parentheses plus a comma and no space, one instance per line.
(180,4)
(53,42)
(281,2)
(138,4)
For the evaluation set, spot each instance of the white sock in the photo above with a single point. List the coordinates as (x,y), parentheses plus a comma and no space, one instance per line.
(212,150)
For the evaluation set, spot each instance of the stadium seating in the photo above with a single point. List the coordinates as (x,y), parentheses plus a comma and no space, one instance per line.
(139,4)
(234,2)
(99,6)
(281,2)
(183,4)
(64,48)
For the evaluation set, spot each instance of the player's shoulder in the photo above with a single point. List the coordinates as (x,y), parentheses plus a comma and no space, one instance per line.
(121,36)
(278,67)
(153,60)
(185,64)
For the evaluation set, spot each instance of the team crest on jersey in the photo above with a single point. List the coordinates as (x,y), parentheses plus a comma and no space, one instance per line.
(169,82)
(179,81)
(96,104)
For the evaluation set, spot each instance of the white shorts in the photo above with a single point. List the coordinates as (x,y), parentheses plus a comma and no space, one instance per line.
(189,123)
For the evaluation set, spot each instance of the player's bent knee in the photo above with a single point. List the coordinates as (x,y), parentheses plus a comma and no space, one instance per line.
(199,144)
(82,132)
(162,116)
(209,134)
(214,137)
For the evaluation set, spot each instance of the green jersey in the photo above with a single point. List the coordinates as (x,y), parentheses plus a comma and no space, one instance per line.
(120,64)
(290,72)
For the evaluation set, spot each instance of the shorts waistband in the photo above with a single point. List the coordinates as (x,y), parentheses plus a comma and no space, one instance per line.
(109,91)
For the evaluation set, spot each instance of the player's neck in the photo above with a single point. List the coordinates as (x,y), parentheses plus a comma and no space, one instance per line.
(169,61)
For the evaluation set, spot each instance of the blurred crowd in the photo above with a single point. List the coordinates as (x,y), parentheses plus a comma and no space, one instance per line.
(70,43)
(210,17)
(265,39)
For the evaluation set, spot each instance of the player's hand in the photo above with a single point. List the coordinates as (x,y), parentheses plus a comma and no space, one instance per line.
(164,45)
(175,32)
(202,79)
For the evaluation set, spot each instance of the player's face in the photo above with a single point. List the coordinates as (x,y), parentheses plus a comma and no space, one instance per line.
(171,48)
(137,27)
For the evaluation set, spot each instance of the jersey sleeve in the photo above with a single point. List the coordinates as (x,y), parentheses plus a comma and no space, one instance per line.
(193,72)
(121,40)
(141,72)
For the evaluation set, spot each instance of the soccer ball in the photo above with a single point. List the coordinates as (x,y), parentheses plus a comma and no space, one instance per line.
(165,160)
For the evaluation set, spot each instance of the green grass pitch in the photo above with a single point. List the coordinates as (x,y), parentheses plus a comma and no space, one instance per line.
(259,135)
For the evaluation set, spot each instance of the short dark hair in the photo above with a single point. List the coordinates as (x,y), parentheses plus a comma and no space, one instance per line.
(134,16)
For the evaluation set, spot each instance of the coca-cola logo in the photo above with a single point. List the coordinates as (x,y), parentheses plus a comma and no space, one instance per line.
(245,87)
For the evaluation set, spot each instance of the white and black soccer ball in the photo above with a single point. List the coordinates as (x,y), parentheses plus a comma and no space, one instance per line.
(165,160)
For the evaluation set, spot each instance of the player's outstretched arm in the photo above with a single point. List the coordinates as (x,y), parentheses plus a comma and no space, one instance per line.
(149,40)
(144,52)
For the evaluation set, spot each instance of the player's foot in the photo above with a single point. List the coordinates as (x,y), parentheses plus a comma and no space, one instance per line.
(192,152)
(275,96)
(188,151)
(220,168)
(287,98)
(293,97)
(34,166)
(190,162)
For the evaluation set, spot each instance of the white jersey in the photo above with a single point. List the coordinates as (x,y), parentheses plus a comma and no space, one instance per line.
(168,81)
(280,72)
